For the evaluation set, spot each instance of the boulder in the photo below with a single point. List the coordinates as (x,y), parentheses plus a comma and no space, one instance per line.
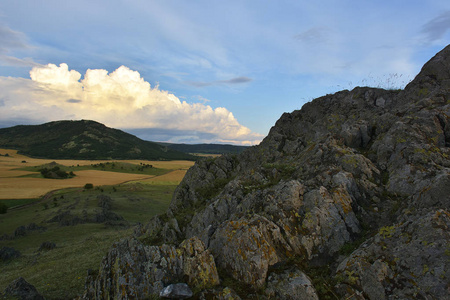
(46,246)
(199,267)
(8,253)
(290,285)
(22,290)
(176,291)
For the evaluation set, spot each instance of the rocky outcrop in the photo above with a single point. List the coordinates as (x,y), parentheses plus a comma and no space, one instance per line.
(103,214)
(21,289)
(132,270)
(347,197)
(47,246)
(22,231)
(291,284)
(8,253)
(176,291)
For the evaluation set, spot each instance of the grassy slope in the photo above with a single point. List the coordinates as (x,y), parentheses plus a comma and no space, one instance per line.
(60,273)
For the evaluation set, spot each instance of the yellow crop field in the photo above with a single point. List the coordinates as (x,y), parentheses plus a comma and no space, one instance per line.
(17,188)
(14,187)
(173,177)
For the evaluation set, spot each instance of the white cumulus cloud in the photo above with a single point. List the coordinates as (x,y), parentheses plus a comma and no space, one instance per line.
(120,99)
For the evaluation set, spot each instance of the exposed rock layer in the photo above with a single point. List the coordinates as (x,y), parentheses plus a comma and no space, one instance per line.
(347,197)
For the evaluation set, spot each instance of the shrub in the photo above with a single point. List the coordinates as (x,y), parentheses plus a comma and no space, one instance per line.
(56,173)
(88,186)
(3,208)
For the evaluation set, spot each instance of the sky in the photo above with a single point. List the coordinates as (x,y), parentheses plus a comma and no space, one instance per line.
(203,71)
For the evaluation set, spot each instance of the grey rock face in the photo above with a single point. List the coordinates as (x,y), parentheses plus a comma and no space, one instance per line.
(355,184)
(246,248)
(289,285)
(176,291)
(134,270)
(403,261)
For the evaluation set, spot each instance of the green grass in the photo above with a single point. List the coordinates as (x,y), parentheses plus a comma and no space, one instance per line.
(18,202)
(60,273)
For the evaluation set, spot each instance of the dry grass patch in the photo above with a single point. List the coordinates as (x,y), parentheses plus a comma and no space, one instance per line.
(173,177)
(16,188)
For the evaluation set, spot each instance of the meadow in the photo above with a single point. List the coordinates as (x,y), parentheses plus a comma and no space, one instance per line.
(63,212)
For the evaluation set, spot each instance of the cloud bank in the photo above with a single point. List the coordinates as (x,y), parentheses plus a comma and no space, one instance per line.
(120,99)
(436,28)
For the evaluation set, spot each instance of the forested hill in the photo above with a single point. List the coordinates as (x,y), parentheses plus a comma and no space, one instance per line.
(83,140)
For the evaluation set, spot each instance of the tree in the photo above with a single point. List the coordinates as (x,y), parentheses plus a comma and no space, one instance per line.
(88,186)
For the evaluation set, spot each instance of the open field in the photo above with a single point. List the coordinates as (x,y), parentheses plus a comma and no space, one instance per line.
(15,185)
(70,216)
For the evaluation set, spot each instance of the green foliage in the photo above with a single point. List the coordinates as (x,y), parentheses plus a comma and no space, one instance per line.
(124,167)
(56,173)
(3,208)
(285,171)
(384,177)
(88,186)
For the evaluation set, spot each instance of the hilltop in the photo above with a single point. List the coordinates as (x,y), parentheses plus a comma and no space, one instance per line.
(346,198)
(83,140)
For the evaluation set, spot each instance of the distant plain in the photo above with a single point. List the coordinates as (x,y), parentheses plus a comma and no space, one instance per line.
(15,185)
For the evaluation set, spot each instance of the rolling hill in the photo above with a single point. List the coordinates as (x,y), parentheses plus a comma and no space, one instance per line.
(83,140)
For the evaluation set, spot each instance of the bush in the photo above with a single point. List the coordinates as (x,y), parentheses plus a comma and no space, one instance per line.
(88,186)
(3,208)
(56,173)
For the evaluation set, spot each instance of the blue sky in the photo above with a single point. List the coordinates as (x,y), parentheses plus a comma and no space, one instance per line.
(203,71)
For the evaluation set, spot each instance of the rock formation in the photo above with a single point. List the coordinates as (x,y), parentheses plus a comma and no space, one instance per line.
(346,198)
(22,290)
